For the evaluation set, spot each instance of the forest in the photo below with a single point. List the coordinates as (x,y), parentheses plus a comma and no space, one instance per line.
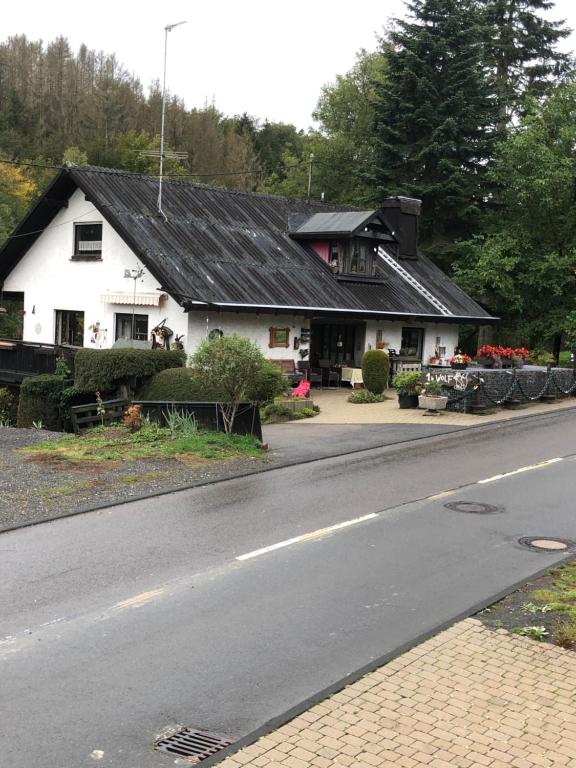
(469,105)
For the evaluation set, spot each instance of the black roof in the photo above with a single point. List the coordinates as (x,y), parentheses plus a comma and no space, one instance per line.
(233,249)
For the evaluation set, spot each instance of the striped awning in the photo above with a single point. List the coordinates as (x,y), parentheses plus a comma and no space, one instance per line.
(141,299)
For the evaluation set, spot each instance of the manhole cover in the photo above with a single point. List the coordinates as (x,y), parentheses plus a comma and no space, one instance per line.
(542,544)
(473,507)
(195,745)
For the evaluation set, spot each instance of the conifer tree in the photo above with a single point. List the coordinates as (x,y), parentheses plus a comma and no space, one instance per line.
(435,118)
(521,51)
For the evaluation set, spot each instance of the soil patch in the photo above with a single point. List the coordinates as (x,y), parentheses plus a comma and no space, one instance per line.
(543,609)
(41,486)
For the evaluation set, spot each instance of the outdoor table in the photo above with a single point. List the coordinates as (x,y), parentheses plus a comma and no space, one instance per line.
(353,376)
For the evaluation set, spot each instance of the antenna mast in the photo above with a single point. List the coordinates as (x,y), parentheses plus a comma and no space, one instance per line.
(167,28)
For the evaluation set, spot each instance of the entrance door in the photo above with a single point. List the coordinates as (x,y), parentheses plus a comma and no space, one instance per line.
(336,342)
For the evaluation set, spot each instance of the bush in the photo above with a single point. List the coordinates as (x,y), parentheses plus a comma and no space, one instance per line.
(267,384)
(365,396)
(278,410)
(409,383)
(231,364)
(178,384)
(375,369)
(308,412)
(39,401)
(7,408)
(105,369)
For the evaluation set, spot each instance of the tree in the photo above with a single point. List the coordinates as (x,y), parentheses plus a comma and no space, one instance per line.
(17,191)
(435,118)
(524,266)
(521,52)
(229,365)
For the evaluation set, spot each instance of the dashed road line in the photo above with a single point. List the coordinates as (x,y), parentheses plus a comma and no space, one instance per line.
(530,467)
(307,536)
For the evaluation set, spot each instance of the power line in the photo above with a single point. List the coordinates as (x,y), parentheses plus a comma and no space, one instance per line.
(92,169)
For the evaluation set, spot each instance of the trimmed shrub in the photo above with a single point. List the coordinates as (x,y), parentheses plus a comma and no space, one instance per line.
(8,407)
(177,384)
(267,384)
(105,369)
(40,401)
(365,396)
(375,368)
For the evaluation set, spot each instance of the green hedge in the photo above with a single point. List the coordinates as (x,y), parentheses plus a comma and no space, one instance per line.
(105,369)
(40,401)
(375,369)
(188,384)
(176,384)
(8,406)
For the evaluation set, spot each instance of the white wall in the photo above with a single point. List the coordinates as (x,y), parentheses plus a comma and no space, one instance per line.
(392,333)
(255,327)
(50,280)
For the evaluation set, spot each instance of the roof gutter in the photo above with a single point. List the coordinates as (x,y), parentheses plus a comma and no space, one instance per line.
(341,310)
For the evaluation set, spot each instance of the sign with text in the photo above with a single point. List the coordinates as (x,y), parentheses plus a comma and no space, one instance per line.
(450,378)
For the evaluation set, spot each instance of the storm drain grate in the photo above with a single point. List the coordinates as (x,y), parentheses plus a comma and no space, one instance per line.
(473,507)
(546,544)
(195,745)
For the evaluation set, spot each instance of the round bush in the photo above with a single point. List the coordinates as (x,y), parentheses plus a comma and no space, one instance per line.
(375,368)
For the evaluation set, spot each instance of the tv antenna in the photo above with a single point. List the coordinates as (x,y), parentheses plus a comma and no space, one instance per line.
(162,154)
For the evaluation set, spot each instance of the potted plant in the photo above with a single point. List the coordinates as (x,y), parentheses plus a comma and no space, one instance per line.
(486,356)
(432,398)
(408,386)
(460,361)
(520,355)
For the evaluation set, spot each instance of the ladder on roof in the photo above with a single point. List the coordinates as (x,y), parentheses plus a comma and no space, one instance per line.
(399,269)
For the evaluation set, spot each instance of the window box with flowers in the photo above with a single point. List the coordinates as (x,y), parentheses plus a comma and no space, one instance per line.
(460,361)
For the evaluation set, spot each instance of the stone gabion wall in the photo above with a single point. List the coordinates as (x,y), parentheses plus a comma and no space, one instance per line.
(522,384)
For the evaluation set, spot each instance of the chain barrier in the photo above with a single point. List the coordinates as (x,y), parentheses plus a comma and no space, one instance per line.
(489,397)
(568,391)
(514,384)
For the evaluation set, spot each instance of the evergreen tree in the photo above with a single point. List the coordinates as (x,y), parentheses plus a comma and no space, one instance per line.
(435,118)
(521,51)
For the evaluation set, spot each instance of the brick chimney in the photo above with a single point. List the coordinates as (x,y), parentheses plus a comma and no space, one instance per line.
(401,215)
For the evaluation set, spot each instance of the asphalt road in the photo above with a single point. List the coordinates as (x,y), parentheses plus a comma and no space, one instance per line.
(119,623)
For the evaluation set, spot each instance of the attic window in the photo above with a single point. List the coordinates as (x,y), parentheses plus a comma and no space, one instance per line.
(88,241)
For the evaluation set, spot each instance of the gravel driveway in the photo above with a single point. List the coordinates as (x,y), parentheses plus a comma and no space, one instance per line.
(35,489)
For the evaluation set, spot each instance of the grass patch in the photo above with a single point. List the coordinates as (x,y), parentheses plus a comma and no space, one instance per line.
(142,477)
(103,444)
(550,601)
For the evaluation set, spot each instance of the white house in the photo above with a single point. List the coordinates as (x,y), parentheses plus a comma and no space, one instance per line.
(94,263)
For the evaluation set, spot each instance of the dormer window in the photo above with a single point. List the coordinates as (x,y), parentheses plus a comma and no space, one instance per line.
(356,256)
(88,240)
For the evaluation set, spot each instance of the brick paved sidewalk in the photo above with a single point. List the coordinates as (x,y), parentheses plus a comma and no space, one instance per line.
(469,697)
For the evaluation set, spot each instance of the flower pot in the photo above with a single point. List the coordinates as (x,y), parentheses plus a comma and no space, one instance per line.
(459,366)
(485,362)
(408,401)
(433,403)
(519,362)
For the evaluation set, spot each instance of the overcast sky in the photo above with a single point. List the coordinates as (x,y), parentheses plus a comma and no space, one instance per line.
(266,58)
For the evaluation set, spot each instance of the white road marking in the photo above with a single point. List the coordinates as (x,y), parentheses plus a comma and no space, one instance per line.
(530,467)
(138,600)
(307,536)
